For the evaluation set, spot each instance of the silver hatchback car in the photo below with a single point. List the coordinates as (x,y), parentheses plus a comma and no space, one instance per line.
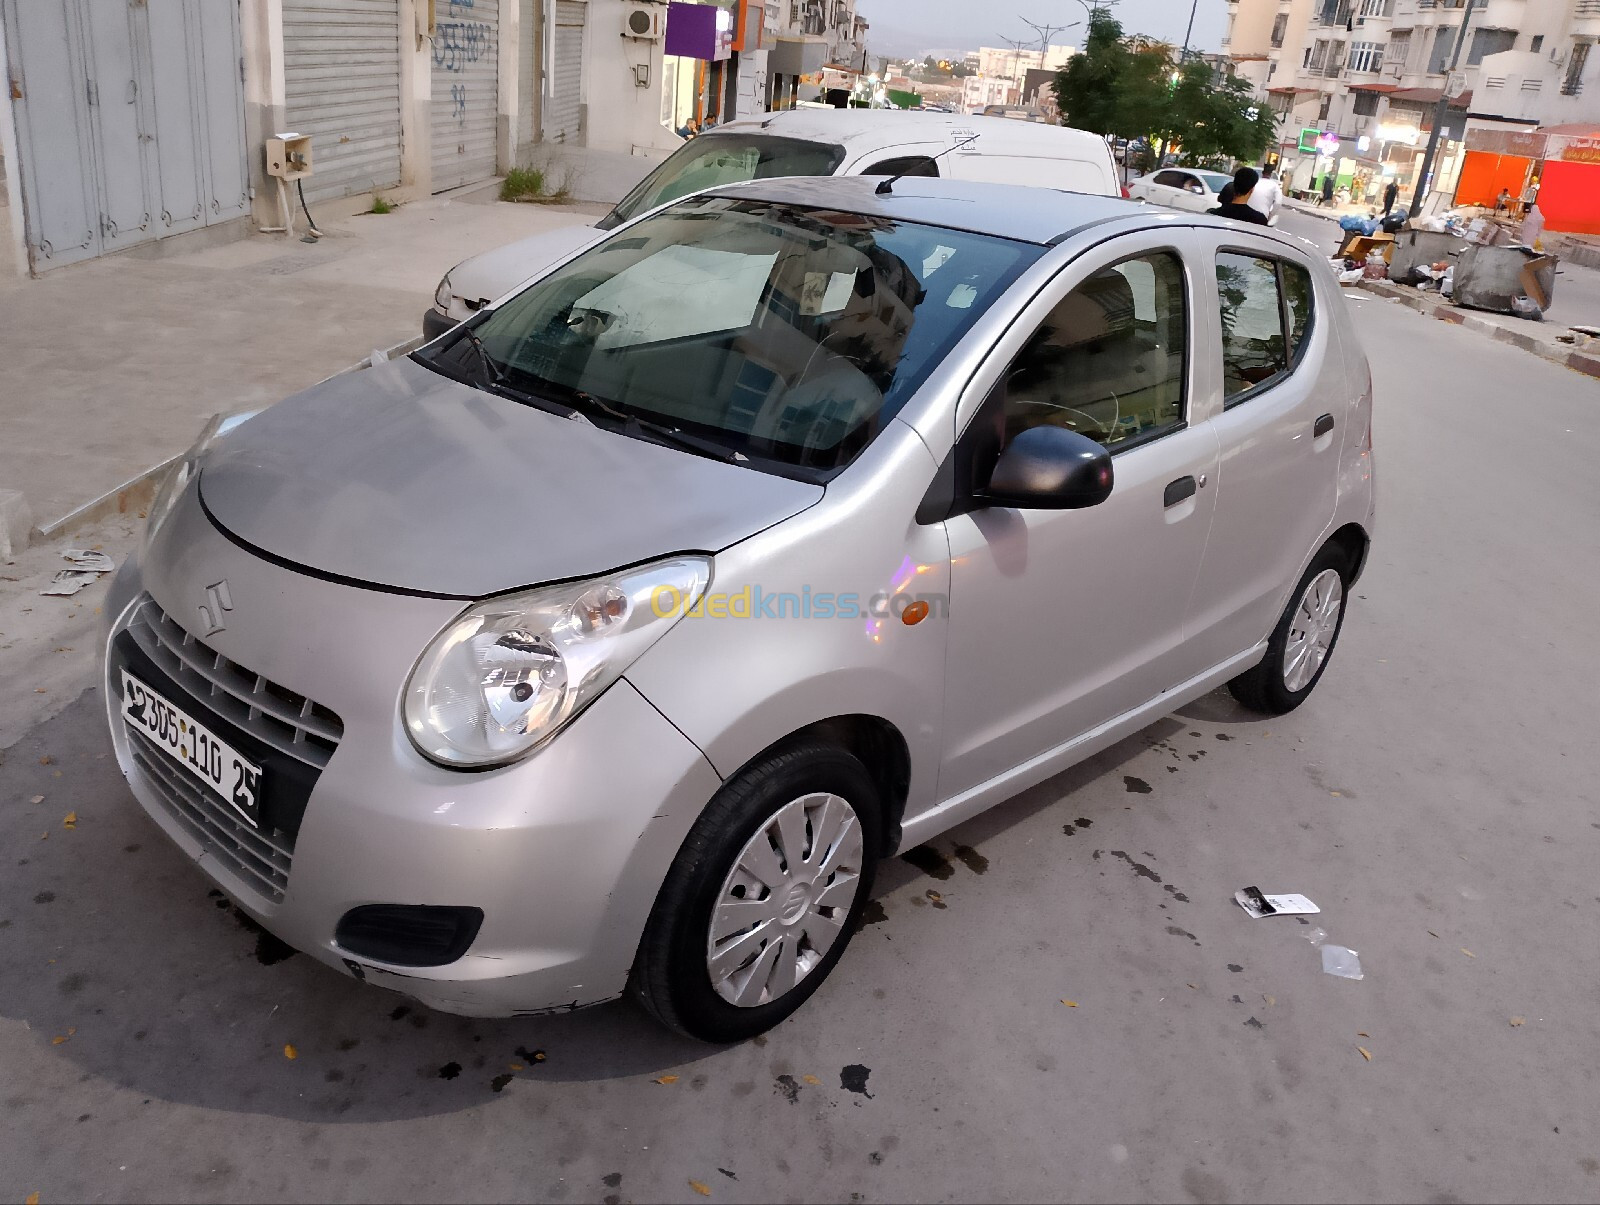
(610,641)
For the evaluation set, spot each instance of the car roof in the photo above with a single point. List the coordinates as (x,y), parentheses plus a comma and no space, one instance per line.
(889,127)
(1032,215)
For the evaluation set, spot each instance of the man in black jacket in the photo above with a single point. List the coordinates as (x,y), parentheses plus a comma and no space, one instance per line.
(1239,208)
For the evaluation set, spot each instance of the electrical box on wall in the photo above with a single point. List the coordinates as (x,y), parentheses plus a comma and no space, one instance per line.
(644,21)
(289,156)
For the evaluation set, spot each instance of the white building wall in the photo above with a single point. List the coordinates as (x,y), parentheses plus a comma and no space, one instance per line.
(622,86)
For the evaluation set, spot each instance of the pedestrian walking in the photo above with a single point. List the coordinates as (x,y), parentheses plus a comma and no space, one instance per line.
(1239,208)
(1327,189)
(1267,196)
(1390,192)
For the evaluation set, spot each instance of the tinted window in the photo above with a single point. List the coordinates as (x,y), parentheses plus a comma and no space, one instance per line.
(1108,361)
(783,333)
(1252,322)
(714,159)
(1172,179)
(1297,299)
(905,165)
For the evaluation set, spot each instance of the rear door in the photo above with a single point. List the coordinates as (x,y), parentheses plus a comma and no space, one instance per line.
(1274,357)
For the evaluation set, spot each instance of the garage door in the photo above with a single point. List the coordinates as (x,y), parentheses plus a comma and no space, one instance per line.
(466,91)
(341,67)
(566,85)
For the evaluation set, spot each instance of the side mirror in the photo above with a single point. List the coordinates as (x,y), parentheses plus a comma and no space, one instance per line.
(1050,468)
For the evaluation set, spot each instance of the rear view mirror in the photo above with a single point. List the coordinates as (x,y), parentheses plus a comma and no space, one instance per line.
(1050,468)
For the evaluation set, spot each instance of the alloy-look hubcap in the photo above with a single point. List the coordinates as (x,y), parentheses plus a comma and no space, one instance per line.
(1312,629)
(784,903)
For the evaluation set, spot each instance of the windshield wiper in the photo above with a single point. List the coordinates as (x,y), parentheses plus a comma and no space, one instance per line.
(638,427)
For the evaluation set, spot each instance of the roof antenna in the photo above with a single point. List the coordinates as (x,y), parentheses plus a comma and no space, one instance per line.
(886,188)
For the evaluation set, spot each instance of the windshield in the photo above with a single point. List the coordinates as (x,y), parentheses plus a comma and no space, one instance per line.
(714,159)
(788,335)
(1216,180)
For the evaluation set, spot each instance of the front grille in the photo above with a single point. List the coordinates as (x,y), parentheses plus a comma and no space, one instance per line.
(286,722)
(260,858)
(289,722)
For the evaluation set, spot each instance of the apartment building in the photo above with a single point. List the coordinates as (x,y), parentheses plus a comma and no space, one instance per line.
(1356,83)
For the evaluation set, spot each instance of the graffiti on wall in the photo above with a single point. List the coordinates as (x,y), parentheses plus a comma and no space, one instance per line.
(458,43)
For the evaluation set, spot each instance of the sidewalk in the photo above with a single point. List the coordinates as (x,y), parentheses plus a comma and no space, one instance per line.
(111,367)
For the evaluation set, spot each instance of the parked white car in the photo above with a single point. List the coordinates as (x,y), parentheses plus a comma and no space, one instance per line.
(1188,188)
(801,142)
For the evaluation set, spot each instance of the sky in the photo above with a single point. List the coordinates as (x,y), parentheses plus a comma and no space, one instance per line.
(903,27)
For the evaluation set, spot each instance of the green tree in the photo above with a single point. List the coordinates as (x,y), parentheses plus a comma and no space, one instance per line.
(1089,89)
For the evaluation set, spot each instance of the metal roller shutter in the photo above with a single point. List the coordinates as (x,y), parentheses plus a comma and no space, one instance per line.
(342,86)
(566,86)
(466,91)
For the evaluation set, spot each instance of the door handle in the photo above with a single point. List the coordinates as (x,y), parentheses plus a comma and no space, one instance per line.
(1323,426)
(1177,491)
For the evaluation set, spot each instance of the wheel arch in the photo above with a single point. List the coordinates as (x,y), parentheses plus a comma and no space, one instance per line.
(878,745)
(1354,541)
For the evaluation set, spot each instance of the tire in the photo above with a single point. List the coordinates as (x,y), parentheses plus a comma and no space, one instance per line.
(1275,687)
(751,822)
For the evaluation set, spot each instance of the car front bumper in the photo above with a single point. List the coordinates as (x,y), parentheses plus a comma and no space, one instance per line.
(435,324)
(564,851)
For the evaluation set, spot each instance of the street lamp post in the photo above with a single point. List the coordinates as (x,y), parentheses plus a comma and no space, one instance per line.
(1440,109)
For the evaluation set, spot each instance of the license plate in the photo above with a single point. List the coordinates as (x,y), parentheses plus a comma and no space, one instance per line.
(193,746)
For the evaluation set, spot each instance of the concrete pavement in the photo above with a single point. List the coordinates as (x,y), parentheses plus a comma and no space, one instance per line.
(110,367)
(1435,797)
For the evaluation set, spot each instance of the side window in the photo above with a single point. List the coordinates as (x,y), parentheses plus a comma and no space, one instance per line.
(1252,323)
(1266,315)
(1297,299)
(905,165)
(1170,179)
(1109,360)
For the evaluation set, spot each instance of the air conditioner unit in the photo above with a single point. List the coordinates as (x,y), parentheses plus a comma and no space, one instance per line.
(644,21)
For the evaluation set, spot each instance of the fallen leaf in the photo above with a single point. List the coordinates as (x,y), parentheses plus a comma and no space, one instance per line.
(703,1189)
(1191,985)
(811,1079)
(71,820)
(1362,1034)
(32,1199)
(516,1066)
(1271,1000)
(1365,1053)
(37,799)
(38,690)
(934,895)
(1518,1021)
(666,1079)
(1431,933)
(58,1039)
(1468,952)
(47,759)
(1070,1003)
(289,1052)
(44,836)
(1337,794)
(538,1056)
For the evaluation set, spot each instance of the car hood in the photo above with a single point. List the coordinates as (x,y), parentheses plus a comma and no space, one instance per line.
(398,477)
(490,276)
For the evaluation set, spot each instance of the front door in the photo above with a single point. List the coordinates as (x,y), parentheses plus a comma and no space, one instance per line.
(1062,620)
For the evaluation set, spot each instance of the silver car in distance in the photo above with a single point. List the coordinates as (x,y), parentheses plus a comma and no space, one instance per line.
(611,641)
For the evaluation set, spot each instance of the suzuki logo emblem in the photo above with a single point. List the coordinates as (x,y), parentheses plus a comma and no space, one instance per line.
(217,603)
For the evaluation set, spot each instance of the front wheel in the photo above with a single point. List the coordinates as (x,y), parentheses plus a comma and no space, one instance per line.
(764,895)
(1303,641)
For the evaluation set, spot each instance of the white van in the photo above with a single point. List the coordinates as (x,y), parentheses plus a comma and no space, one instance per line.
(803,142)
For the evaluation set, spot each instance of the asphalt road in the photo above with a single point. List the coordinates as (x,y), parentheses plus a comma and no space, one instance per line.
(1436,797)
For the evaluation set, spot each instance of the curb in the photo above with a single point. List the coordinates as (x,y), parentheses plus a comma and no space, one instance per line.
(1586,363)
(140,490)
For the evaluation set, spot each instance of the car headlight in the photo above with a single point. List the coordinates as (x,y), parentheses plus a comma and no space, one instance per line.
(442,295)
(509,673)
(183,472)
